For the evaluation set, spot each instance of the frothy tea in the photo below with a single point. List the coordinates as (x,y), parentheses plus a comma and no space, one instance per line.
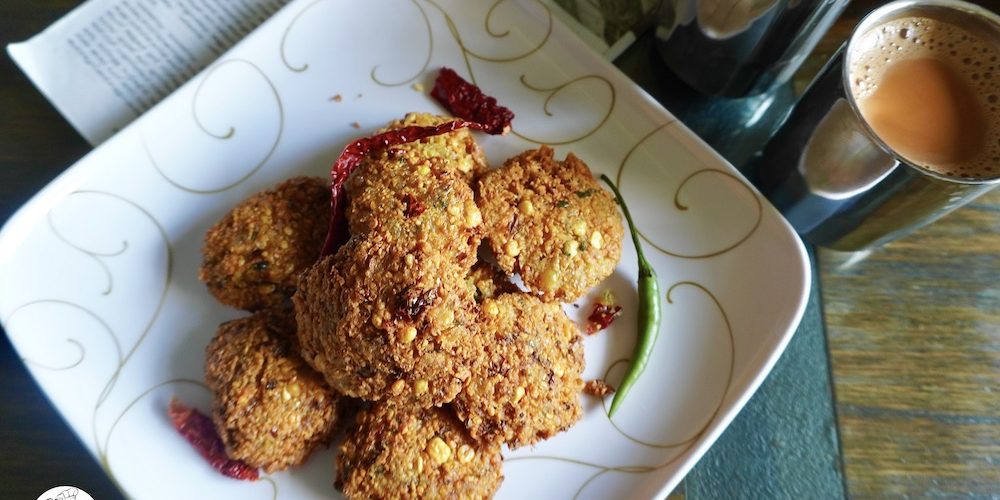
(931,91)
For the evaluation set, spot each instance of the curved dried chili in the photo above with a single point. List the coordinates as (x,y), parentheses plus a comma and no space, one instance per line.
(199,430)
(474,109)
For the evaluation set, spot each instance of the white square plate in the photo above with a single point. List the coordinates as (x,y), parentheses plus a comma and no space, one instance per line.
(99,292)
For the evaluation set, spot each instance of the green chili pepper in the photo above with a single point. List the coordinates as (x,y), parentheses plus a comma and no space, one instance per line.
(649,311)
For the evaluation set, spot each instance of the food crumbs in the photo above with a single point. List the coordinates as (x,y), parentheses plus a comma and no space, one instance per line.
(337,98)
(355,124)
(605,311)
(597,388)
(601,317)
(419,87)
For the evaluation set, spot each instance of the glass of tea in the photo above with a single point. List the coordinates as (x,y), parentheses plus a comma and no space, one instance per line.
(900,127)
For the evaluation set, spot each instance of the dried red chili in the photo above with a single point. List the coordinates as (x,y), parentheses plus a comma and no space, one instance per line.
(468,102)
(476,111)
(412,206)
(200,432)
(601,317)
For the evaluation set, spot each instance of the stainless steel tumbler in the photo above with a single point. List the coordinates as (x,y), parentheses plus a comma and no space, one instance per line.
(736,48)
(838,183)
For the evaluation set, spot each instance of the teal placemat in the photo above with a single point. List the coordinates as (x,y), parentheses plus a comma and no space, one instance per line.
(784,443)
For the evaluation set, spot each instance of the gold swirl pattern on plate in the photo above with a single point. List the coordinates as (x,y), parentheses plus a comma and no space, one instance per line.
(103,451)
(81,352)
(427,58)
(102,441)
(80,348)
(97,257)
(501,34)
(468,54)
(225,135)
(688,443)
(177,381)
(284,38)
(282,49)
(487,26)
(682,207)
(122,357)
(555,90)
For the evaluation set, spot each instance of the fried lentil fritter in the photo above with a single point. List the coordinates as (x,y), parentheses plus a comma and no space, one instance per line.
(404,452)
(389,316)
(392,200)
(420,190)
(271,410)
(386,319)
(252,257)
(526,386)
(550,222)
(457,148)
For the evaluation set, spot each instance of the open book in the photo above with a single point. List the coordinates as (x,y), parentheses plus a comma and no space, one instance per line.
(108,61)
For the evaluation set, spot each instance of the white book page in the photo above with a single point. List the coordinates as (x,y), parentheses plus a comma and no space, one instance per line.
(108,61)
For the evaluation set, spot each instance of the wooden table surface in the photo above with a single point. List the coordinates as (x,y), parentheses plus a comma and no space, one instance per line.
(913,328)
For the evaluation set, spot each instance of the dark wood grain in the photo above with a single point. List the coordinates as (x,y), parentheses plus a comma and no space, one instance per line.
(914,335)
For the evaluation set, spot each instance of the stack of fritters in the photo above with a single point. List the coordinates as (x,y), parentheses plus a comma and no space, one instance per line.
(454,358)
(389,316)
